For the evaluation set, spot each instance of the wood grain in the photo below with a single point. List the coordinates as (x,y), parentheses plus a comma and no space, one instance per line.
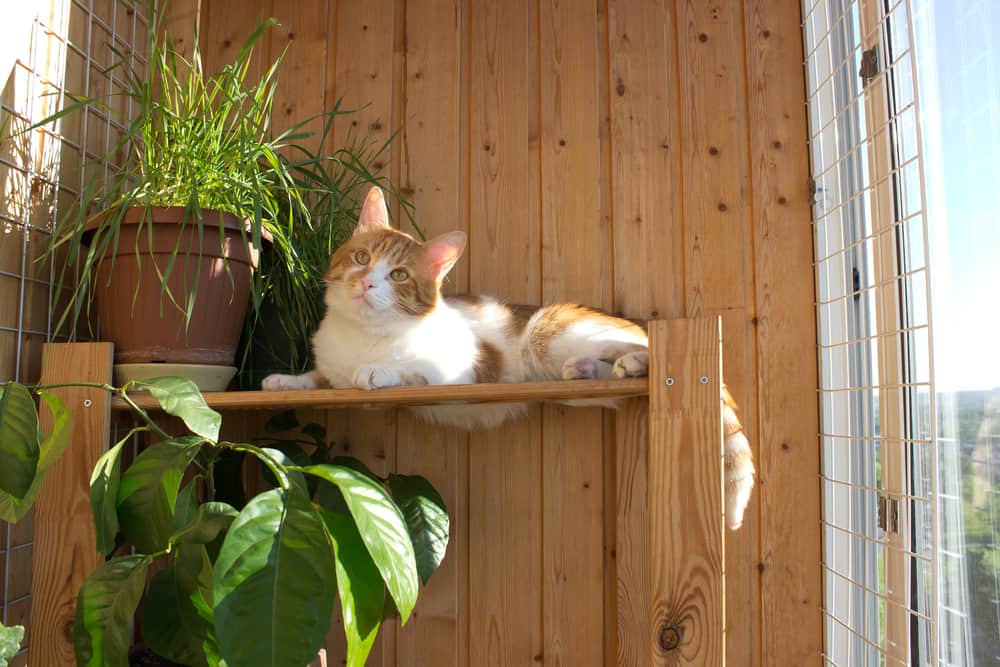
(576,266)
(717,233)
(65,546)
(505,464)
(645,167)
(685,489)
(648,265)
(301,39)
(631,549)
(422,395)
(360,73)
(430,167)
(791,587)
(226,24)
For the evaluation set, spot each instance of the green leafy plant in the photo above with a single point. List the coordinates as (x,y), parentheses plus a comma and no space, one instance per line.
(246,586)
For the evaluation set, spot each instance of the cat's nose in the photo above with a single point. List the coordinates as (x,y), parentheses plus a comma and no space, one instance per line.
(367,285)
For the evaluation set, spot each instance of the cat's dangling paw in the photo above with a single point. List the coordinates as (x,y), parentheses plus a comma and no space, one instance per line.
(585,368)
(377,376)
(279,382)
(632,365)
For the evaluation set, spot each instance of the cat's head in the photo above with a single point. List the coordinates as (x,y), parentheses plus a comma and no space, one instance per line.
(384,278)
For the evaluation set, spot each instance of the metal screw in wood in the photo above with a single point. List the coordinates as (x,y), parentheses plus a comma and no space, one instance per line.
(87,402)
(669,382)
(704,379)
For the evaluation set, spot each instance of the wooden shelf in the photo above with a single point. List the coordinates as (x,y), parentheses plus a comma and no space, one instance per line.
(402,396)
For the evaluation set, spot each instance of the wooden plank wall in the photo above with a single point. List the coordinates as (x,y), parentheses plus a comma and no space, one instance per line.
(647,157)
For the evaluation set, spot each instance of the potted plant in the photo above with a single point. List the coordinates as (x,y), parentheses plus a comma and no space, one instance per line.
(164,245)
(250,587)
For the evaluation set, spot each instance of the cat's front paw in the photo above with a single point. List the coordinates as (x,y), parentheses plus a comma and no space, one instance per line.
(377,376)
(279,382)
(631,365)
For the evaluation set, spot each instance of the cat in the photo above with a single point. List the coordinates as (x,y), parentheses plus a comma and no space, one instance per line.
(387,325)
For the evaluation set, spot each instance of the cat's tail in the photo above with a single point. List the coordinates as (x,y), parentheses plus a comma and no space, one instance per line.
(739,470)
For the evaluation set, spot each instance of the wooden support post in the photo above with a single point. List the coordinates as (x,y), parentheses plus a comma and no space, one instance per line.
(65,547)
(685,493)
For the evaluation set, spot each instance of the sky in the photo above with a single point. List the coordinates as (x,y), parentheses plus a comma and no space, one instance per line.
(958,75)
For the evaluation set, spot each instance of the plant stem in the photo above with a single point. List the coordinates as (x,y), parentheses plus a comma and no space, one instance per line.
(142,413)
(210,480)
(280,472)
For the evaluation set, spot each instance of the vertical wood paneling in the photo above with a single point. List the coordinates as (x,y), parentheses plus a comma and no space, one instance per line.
(505,477)
(361,71)
(645,173)
(648,266)
(437,634)
(717,234)
(301,37)
(576,266)
(226,24)
(361,74)
(791,588)
(788,461)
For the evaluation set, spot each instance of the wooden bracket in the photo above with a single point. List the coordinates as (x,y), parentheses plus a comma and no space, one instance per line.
(670,541)
(65,545)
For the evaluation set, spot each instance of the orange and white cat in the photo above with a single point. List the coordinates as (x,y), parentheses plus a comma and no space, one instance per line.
(388,325)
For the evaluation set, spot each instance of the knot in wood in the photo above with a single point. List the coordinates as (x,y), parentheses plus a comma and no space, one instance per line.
(670,637)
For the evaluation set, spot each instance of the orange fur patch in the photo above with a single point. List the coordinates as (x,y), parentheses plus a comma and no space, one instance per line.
(489,363)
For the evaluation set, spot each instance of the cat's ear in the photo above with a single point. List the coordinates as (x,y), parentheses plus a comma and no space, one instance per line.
(374,215)
(441,252)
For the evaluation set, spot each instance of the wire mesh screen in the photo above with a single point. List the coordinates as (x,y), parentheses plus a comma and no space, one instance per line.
(873,316)
(59,46)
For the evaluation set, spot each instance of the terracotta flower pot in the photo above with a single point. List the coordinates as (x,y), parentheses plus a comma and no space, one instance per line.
(142,322)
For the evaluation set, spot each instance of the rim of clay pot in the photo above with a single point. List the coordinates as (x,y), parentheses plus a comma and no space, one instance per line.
(167,215)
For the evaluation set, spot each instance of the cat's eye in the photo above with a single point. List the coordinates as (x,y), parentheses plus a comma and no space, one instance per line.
(399,275)
(362,257)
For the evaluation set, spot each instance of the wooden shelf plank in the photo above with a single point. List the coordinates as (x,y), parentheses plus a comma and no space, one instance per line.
(424,395)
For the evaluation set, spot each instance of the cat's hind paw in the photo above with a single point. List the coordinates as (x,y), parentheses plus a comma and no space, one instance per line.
(632,365)
(585,368)
(279,382)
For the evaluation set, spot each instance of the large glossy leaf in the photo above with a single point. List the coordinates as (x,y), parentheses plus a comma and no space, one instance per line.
(177,619)
(104,610)
(208,521)
(54,445)
(181,398)
(274,583)
(148,492)
(13,509)
(186,506)
(104,482)
(359,585)
(382,528)
(19,446)
(426,519)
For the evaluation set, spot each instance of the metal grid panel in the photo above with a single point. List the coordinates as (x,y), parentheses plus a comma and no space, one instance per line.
(69,49)
(873,322)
